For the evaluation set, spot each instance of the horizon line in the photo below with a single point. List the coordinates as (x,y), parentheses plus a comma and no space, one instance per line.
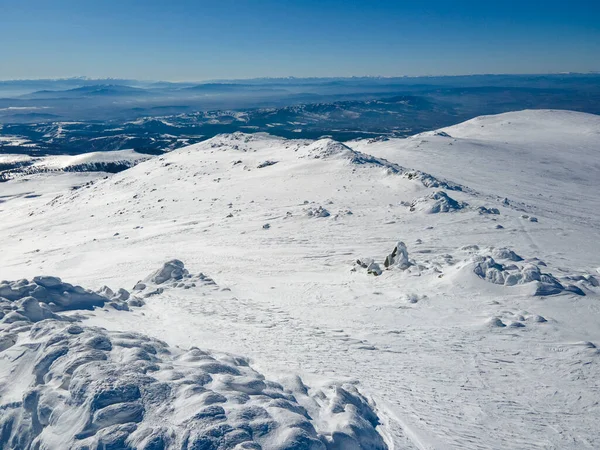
(292,77)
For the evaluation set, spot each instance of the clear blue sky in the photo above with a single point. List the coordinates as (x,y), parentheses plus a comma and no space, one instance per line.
(199,40)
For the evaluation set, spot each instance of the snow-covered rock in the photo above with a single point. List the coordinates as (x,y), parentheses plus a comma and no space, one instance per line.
(53,292)
(486,210)
(437,202)
(398,258)
(172,274)
(317,212)
(171,271)
(266,164)
(486,267)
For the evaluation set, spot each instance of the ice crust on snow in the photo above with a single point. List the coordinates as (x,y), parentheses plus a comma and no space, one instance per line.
(23,302)
(91,388)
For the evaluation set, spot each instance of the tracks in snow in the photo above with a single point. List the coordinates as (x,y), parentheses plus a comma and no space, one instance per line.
(448,384)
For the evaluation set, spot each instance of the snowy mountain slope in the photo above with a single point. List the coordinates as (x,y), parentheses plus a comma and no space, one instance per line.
(14,166)
(545,159)
(482,336)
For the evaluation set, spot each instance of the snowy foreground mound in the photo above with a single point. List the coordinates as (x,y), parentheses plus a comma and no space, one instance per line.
(90,388)
(434,292)
(65,385)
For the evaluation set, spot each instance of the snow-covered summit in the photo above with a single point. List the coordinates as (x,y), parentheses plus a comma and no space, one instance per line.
(522,126)
(541,160)
(327,148)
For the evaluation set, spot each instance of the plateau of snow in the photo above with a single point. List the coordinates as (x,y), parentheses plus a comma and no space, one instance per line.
(440,291)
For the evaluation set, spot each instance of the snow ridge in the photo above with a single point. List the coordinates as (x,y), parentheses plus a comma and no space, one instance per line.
(330,149)
(15,166)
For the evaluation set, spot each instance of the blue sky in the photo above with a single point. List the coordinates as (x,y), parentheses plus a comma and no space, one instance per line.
(200,40)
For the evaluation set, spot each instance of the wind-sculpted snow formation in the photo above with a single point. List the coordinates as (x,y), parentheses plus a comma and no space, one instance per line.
(84,387)
(53,295)
(515,272)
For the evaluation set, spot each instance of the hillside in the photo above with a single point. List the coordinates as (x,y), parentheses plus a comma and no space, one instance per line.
(15,166)
(442,289)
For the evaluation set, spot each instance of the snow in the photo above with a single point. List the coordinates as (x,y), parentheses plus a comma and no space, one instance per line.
(88,387)
(433,352)
(17,166)
(60,162)
(438,202)
(13,140)
(14,159)
(542,160)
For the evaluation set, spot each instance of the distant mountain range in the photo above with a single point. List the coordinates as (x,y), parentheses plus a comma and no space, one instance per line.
(83,115)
